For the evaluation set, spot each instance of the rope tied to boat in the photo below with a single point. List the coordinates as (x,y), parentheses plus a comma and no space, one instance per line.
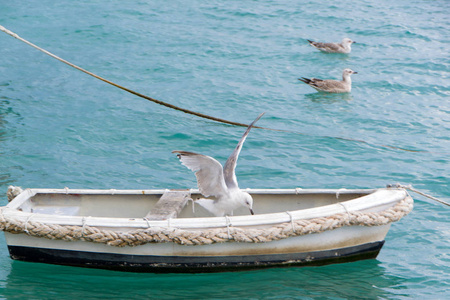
(410,188)
(13,192)
(208,236)
(148,222)
(228,226)
(83,222)
(345,207)
(26,224)
(292,221)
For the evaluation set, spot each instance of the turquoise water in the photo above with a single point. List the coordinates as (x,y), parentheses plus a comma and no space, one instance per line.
(232,59)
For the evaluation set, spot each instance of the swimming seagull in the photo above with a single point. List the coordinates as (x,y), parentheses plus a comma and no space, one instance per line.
(332,86)
(213,180)
(343,47)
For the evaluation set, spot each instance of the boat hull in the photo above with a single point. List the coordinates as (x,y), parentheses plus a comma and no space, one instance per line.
(341,245)
(192,264)
(109,229)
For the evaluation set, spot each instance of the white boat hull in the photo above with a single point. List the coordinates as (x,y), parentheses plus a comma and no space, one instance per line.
(342,244)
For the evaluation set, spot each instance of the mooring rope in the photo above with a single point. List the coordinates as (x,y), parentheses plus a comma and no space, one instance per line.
(187,111)
(119,86)
(409,187)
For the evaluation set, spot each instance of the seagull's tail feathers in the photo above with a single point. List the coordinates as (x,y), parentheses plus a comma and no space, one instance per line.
(305,80)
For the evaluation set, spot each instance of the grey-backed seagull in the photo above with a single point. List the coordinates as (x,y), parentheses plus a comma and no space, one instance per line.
(343,47)
(332,86)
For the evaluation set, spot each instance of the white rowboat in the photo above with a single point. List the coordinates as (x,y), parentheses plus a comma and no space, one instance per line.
(164,231)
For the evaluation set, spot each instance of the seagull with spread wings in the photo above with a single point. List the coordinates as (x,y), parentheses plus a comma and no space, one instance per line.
(213,180)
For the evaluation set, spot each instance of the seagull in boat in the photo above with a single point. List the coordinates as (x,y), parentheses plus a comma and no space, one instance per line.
(343,47)
(332,86)
(213,180)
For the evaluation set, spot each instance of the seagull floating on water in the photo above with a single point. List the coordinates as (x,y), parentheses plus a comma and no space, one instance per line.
(332,86)
(343,47)
(213,180)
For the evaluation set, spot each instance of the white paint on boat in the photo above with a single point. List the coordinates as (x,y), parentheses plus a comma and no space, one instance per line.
(125,211)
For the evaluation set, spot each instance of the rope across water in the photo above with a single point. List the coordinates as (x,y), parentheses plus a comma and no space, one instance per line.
(208,236)
(201,115)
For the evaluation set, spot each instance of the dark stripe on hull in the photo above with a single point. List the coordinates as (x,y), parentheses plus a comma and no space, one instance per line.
(191,264)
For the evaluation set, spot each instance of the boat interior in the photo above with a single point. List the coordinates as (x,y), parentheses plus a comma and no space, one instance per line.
(164,204)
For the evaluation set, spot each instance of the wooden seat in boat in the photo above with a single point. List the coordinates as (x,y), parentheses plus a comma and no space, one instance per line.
(169,205)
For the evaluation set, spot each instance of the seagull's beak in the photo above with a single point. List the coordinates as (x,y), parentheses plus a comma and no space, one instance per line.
(251,211)
(354,42)
(355,72)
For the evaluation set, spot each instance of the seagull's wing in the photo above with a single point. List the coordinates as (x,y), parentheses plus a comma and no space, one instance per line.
(208,171)
(317,44)
(331,47)
(230,165)
(328,85)
(327,47)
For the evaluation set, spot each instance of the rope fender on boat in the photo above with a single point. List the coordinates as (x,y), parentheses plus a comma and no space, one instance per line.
(209,236)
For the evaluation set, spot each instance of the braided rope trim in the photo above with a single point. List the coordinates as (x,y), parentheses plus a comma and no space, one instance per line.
(206,237)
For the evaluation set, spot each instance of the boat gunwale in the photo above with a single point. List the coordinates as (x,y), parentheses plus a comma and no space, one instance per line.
(372,199)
